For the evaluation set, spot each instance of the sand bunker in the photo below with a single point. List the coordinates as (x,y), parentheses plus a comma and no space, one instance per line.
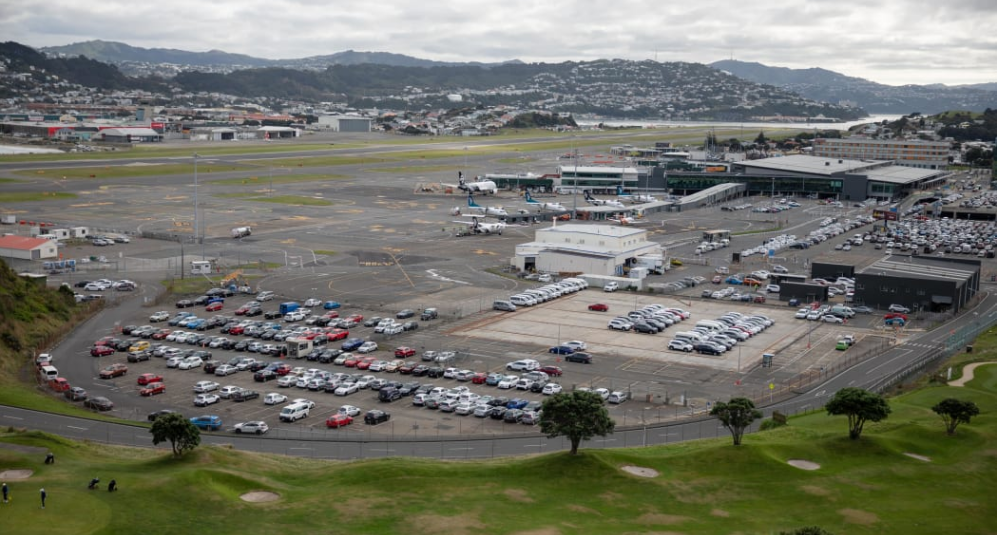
(260,496)
(803,465)
(640,471)
(13,475)
(918,457)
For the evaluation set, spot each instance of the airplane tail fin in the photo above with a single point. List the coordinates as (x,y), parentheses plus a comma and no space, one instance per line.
(529,198)
(470,201)
(619,190)
(588,196)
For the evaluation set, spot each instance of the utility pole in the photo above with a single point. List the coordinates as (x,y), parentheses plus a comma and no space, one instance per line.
(196,226)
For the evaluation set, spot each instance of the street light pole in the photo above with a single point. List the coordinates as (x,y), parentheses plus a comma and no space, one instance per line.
(196,226)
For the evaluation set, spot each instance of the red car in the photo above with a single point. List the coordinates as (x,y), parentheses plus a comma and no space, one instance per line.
(147,378)
(355,317)
(105,341)
(339,420)
(599,307)
(893,315)
(215,307)
(101,351)
(479,378)
(352,361)
(152,389)
(282,369)
(338,334)
(717,279)
(238,329)
(404,352)
(114,370)
(552,371)
(332,314)
(364,363)
(241,311)
(161,334)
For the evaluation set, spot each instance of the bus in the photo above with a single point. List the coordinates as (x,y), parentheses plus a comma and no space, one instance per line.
(716,236)
(200,267)
(779,278)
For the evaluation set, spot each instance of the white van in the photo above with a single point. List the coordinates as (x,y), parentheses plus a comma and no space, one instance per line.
(581,283)
(294,412)
(506,306)
(692,338)
(48,373)
(711,325)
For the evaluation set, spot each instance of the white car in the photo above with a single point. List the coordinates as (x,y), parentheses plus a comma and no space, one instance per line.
(287,381)
(273,398)
(257,428)
(162,315)
(350,410)
(312,302)
(227,391)
(294,316)
(509,381)
(205,386)
(832,319)
(772,288)
(190,363)
(377,366)
(347,389)
(464,408)
(577,345)
(203,400)
(551,388)
(367,347)
(307,402)
(802,313)
(680,345)
(611,286)
(174,362)
(814,315)
(603,393)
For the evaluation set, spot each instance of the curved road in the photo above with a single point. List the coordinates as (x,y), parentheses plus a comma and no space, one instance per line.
(872,373)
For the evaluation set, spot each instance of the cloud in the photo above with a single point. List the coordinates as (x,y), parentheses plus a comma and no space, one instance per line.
(890,41)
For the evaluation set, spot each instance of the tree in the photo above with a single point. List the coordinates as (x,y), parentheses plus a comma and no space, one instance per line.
(809,530)
(860,406)
(179,431)
(954,412)
(577,415)
(736,415)
(761,139)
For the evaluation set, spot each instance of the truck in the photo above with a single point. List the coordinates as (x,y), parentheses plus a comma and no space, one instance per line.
(8,219)
(241,232)
(297,348)
(289,306)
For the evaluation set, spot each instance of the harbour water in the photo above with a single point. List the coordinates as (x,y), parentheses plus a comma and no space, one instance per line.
(747,126)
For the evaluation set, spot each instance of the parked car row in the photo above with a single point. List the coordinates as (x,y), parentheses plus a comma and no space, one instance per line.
(650,319)
(715,337)
(541,294)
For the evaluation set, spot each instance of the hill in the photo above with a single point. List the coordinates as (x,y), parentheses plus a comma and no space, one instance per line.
(29,315)
(829,86)
(871,486)
(78,70)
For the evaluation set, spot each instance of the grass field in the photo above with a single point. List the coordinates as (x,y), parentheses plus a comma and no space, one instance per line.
(278,178)
(128,171)
(296,200)
(867,486)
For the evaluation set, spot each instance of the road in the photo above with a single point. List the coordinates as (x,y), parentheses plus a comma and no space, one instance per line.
(307,442)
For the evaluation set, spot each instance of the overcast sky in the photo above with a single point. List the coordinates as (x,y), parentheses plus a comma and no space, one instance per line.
(888,41)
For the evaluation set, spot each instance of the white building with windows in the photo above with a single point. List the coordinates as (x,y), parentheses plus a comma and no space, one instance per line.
(604,250)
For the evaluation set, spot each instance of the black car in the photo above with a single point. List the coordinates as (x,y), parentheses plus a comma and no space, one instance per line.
(498,412)
(82,284)
(410,326)
(123,345)
(245,395)
(375,417)
(389,394)
(263,376)
(499,401)
(272,314)
(254,311)
(157,414)
(434,372)
(99,403)
(577,356)
(372,322)
(409,389)
(201,300)
(241,345)
(513,416)
(329,355)
(429,314)
(420,370)
(405,314)
(707,348)
(184,303)
(127,329)
(210,366)
(647,328)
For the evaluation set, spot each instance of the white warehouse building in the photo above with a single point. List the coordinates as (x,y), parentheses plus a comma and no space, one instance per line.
(602,250)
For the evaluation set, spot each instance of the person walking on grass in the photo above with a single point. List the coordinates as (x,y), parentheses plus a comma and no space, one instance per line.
(43,498)
(6,493)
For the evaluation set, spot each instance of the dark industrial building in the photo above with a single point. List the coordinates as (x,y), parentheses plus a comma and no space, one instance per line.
(805,292)
(831,271)
(919,283)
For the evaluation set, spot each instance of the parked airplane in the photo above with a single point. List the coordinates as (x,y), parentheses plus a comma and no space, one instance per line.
(635,199)
(628,220)
(483,228)
(602,202)
(482,186)
(474,208)
(550,206)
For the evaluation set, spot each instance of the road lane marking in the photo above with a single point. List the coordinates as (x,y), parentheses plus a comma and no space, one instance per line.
(77,428)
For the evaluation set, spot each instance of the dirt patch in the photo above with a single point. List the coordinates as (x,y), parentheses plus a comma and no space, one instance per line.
(854,516)
(720,512)
(661,519)
(803,465)
(518,495)
(260,496)
(541,531)
(640,471)
(450,525)
(967,373)
(918,457)
(610,496)
(583,509)
(14,475)
(815,491)
(22,448)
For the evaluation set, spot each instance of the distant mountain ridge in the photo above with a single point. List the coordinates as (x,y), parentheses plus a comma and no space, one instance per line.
(121,53)
(829,86)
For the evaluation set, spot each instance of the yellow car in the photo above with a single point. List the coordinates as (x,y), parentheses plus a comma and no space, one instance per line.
(141,345)
(676,262)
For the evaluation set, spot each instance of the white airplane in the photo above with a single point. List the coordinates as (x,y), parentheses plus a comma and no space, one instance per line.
(635,199)
(627,220)
(483,228)
(549,206)
(478,186)
(476,209)
(602,202)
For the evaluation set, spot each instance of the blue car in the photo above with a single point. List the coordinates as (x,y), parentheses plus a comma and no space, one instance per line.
(207,422)
(516,403)
(733,280)
(351,344)
(331,305)
(562,350)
